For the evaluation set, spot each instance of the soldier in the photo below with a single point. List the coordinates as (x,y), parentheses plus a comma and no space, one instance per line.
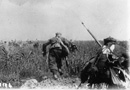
(115,52)
(107,51)
(58,48)
(111,55)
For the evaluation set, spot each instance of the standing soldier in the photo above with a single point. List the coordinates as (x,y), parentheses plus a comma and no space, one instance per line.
(58,49)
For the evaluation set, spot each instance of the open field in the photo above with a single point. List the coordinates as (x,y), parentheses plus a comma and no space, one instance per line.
(20,61)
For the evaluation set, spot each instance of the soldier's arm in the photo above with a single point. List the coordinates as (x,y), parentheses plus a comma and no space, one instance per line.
(45,45)
(66,44)
(65,41)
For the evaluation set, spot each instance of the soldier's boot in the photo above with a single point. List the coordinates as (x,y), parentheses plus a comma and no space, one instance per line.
(60,72)
(56,75)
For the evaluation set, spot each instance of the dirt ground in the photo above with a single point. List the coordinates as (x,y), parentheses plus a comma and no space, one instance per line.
(64,83)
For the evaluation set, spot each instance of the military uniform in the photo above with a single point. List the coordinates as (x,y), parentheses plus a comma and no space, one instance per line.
(58,49)
(123,57)
(113,52)
(111,55)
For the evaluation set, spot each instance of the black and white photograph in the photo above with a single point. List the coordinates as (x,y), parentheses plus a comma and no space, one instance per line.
(65,44)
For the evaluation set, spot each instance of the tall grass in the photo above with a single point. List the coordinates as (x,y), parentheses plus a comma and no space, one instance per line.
(18,62)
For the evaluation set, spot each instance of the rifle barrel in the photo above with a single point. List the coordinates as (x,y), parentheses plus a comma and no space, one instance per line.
(92,35)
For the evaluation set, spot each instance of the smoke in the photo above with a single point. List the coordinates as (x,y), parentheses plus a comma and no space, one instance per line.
(22,2)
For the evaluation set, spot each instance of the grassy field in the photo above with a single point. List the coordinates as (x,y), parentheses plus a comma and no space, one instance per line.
(26,61)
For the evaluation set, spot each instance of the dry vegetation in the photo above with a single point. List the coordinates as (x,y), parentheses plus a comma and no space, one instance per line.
(23,60)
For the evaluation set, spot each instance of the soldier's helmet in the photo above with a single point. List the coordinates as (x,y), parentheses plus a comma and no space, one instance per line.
(108,40)
(58,33)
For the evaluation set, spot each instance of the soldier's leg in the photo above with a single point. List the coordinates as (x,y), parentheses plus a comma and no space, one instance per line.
(53,66)
(59,65)
(59,60)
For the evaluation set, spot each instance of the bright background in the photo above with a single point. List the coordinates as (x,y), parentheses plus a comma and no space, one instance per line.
(40,19)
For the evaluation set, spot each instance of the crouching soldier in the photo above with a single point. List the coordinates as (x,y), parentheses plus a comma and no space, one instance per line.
(101,69)
(117,54)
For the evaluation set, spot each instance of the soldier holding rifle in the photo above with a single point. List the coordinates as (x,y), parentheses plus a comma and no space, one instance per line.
(101,68)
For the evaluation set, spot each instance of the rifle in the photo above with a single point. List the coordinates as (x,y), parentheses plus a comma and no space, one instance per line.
(92,36)
(96,39)
(109,49)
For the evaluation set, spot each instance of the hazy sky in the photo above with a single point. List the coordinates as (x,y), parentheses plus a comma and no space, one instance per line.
(40,19)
